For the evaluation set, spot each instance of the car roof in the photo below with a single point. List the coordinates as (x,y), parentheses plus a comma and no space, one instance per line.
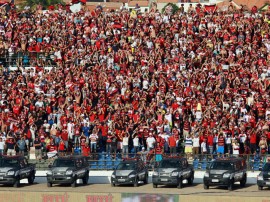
(229,159)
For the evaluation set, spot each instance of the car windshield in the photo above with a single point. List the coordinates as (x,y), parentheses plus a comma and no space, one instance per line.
(64,163)
(169,164)
(9,163)
(126,166)
(266,167)
(221,166)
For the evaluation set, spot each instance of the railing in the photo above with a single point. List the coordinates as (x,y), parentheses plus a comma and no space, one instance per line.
(24,59)
(103,161)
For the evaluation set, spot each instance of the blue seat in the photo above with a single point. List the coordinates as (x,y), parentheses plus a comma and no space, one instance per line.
(196,164)
(203,165)
(256,165)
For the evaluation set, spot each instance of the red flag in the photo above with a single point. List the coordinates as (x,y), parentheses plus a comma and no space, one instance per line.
(210,8)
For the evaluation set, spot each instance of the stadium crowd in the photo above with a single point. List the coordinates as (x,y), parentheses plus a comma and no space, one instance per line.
(190,82)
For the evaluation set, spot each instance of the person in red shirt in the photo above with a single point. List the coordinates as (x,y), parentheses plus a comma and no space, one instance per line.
(221,143)
(253,142)
(172,145)
(61,148)
(158,152)
(86,150)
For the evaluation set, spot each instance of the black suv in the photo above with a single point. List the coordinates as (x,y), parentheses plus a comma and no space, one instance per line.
(225,172)
(15,168)
(130,171)
(172,171)
(66,170)
(263,179)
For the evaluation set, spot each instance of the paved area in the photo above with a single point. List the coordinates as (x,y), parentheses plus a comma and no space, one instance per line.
(196,189)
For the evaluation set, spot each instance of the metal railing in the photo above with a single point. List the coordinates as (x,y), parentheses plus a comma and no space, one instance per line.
(103,161)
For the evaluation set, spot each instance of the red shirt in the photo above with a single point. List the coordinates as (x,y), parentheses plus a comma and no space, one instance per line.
(253,138)
(172,141)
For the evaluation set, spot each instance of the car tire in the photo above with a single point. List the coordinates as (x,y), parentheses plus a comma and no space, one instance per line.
(180,183)
(205,186)
(16,183)
(49,184)
(85,179)
(231,185)
(191,179)
(31,179)
(155,185)
(146,179)
(136,184)
(74,184)
(260,187)
(243,181)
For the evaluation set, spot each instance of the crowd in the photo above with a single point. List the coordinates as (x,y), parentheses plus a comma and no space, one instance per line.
(190,82)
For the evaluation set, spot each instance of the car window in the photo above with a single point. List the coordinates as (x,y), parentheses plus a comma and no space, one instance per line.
(126,166)
(64,163)
(9,163)
(170,164)
(222,166)
(266,167)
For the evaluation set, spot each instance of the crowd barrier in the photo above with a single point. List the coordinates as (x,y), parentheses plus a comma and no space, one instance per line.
(103,161)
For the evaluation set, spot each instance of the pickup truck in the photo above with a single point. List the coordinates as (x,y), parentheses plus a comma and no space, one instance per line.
(172,171)
(15,168)
(67,170)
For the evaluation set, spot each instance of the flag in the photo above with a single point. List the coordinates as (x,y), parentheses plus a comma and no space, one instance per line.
(210,8)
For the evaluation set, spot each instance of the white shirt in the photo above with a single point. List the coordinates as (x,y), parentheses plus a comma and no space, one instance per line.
(125,141)
(150,142)
(2,145)
(136,142)
(196,142)
(203,147)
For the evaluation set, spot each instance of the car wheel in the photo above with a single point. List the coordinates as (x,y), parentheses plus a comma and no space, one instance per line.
(243,181)
(205,186)
(74,184)
(16,183)
(190,179)
(230,186)
(31,179)
(146,179)
(180,183)
(136,182)
(260,187)
(85,179)
(49,184)
(154,185)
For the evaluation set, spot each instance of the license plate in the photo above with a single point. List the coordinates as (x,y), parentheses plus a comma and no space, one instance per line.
(215,180)
(163,180)
(121,180)
(268,183)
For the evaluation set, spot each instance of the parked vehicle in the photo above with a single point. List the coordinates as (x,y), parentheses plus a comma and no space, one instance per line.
(67,170)
(225,172)
(130,171)
(172,171)
(15,168)
(263,179)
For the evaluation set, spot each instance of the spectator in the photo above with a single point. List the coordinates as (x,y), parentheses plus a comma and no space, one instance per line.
(196,145)
(37,145)
(2,146)
(10,143)
(125,145)
(263,145)
(172,145)
(235,147)
(93,141)
(150,142)
(221,143)
(21,144)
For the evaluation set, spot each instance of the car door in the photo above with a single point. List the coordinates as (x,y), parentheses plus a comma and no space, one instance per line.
(186,170)
(141,172)
(238,171)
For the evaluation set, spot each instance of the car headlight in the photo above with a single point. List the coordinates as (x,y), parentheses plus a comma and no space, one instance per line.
(174,174)
(113,176)
(259,177)
(12,172)
(49,172)
(206,174)
(131,176)
(155,173)
(226,175)
(69,172)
